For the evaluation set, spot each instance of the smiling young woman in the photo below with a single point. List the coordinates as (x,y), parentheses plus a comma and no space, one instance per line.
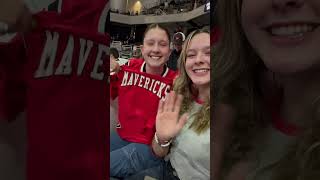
(139,85)
(275,135)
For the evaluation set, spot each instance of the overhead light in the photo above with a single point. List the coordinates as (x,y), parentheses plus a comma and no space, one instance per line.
(207,6)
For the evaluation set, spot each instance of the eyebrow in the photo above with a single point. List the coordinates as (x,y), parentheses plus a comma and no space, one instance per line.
(155,40)
(205,48)
(152,40)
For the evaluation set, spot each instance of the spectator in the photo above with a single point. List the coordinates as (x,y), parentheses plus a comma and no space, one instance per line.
(178,39)
(114,54)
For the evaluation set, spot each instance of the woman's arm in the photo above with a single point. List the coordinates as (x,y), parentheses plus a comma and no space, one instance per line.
(168,123)
(158,150)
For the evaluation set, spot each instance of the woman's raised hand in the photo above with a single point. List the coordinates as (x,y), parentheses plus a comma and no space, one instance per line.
(168,121)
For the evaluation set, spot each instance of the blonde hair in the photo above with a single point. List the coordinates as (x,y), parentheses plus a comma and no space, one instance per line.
(237,69)
(183,85)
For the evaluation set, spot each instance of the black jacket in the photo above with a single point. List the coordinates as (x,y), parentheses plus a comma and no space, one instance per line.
(173,60)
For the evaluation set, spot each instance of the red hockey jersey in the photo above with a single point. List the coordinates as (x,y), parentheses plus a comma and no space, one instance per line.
(138,97)
(64,67)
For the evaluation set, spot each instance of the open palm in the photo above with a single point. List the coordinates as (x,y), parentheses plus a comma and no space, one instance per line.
(168,122)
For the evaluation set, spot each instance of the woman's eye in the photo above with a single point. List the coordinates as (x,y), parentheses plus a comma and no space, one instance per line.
(149,43)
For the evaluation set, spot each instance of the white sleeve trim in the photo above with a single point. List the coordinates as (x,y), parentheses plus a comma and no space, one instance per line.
(36,6)
(7,38)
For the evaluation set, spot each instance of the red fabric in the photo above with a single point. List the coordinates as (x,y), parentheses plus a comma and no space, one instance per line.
(138,103)
(198,101)
(12,84)
(278,122)
(215,35)
(67,114)
(114,86)
(284,126)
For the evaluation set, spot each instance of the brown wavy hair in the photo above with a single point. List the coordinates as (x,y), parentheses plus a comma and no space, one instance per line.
(183,85)
(237,82)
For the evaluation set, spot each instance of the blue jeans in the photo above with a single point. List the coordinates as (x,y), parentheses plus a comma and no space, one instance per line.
(162,172)
(128,158)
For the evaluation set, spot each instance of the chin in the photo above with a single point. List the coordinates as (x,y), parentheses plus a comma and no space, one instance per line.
(288,62)
(154,64)
(290,67)
(201,83)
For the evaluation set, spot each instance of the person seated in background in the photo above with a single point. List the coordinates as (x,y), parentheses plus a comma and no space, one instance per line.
(178,39)
(114,54)
(137,54)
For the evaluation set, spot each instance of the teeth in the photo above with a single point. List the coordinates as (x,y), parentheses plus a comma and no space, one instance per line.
(201,70)
(155,57)
(291,30)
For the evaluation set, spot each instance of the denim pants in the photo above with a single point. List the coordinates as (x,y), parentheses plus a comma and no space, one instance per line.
(162,172)
(128,158)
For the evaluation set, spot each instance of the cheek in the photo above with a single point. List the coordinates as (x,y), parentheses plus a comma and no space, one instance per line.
(166,51)
(254,13)
(144,51)
(245,22)
(250,13)
(188,67)
(250,26)
(207,60)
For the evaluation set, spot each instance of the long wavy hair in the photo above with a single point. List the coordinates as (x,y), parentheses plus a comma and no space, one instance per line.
(183,85)
(237,82)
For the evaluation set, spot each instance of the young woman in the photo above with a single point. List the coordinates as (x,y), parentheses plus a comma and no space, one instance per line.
(267,70)
(139,85)
(183,118)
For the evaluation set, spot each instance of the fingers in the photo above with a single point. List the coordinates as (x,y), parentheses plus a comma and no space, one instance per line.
(169,101)
(160,106)
(182,121)
(178,102)
(173,102)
